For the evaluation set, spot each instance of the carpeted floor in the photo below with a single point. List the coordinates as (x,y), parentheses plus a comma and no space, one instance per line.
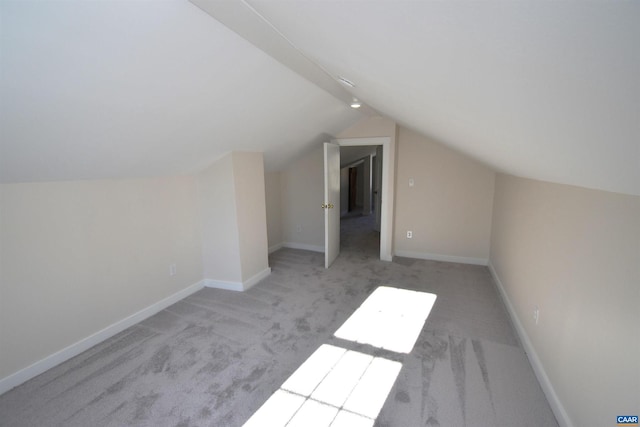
(215,357)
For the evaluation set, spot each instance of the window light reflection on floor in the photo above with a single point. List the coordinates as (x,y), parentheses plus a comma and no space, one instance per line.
(336,387)
(391,318)
(277,411)
(333,387)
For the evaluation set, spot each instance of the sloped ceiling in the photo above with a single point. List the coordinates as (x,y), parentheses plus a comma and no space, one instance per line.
(545,90)
(95,90)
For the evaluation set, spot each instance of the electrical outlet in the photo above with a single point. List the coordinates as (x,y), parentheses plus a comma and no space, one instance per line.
(411,182)
(536,314)
(172,270)
(409,234)
(298,228)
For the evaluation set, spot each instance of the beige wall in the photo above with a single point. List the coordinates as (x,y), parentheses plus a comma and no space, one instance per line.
(234,219)
(220,239)
(76,257)
(370,127)
(575,253)
(273,196)
(248,176)
(79,258)
(448,209)
(302,197)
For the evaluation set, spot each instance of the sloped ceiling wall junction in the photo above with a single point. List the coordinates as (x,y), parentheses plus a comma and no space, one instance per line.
(545,90)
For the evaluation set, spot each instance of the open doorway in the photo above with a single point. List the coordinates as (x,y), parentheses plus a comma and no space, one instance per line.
(385,195)
(360,172)
(382,187)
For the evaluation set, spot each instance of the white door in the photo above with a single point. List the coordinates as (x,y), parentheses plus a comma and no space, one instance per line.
(331,203)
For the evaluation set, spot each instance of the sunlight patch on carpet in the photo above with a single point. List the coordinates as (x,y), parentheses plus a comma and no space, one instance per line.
(276,411)
(334,387)
(391,319)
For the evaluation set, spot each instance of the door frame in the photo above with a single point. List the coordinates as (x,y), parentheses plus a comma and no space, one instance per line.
(388,179)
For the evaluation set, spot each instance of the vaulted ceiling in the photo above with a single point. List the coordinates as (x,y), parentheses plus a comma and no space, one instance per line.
(545,90)
(121,89)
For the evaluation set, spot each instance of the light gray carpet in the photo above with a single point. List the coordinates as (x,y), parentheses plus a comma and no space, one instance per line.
(215,357)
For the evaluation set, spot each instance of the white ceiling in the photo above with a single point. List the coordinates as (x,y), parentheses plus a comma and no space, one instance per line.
(126,89)
(546,90)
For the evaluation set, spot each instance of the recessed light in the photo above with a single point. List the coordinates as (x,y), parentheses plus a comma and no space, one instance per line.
(355,103)
(346,82)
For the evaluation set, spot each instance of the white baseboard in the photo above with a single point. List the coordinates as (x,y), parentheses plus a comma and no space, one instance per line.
(303,246)
(67,353)
(439,257)
(556,405)
(274,248)
(237,286)
(222,284)
(249,283)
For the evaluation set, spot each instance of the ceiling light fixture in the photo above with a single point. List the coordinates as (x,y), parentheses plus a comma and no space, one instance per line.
(355,103)
(346,82)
